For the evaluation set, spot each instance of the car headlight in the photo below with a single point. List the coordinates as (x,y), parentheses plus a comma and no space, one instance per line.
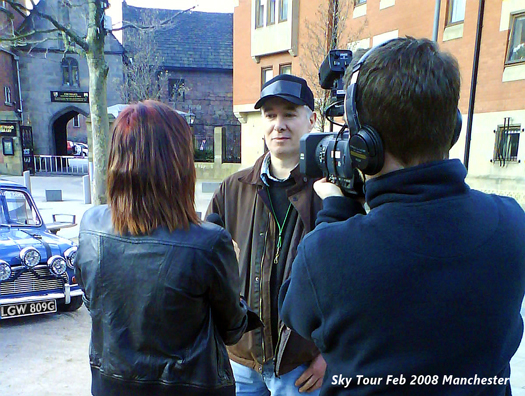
(70,255)
(30,257)
(5,270)
(57,265)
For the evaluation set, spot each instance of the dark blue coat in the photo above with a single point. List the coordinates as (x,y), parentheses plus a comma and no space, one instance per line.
(429,283)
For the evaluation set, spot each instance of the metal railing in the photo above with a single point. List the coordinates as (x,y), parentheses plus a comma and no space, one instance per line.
(61,164)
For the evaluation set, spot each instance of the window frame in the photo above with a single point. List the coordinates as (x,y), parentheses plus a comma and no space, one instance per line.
(449,13)
(76,121)
(7,96)
(71,64)
(270,16)
(263,70)
(511,130)
(284,65)
(259,14)
(513,18)
(181,93)
(283,17)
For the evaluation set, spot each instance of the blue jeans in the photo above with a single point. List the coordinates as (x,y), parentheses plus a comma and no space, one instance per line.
(249,382)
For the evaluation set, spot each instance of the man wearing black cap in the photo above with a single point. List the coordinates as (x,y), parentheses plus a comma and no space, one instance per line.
(268,209)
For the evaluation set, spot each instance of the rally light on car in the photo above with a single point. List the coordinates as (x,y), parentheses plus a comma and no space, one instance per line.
(57,265)
(70,255)
(30,257)
(5,270)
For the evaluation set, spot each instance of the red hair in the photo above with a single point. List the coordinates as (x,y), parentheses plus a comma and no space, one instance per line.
(151,174)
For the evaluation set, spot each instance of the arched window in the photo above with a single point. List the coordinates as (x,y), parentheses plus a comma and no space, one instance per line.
(70,72)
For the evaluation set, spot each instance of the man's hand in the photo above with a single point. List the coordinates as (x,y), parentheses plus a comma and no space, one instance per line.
(325,189)
(312,378)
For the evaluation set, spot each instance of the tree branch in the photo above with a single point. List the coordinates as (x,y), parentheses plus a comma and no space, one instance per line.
(21,37)
(17,7)
(164,23)
(70,33)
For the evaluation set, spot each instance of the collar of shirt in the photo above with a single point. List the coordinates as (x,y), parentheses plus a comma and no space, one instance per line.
(266,176)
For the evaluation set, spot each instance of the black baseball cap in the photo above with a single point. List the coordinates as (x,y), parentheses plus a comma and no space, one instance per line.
(291,88)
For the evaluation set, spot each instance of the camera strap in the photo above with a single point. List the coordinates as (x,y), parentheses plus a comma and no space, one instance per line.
(279,226)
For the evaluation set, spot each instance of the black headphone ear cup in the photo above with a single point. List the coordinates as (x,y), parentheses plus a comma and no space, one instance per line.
(352,121)
(457,128)
(366,150)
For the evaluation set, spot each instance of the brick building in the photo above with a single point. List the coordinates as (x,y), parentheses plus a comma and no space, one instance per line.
(196,51)
(497,160)
(10,104)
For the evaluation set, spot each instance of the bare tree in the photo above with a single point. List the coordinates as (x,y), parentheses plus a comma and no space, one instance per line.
(145,73)
(89,44)
(325,32)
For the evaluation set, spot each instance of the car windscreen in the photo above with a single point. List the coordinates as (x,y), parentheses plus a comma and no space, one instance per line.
(16,209)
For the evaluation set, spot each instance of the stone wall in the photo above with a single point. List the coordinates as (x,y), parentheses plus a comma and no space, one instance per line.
(209,95)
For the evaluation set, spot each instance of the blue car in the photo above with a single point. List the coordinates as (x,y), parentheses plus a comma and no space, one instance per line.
(36,266)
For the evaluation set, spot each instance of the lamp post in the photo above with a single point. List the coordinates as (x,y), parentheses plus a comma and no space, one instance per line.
(190,118)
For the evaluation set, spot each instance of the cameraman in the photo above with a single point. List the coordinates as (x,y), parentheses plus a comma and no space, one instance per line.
(426,289)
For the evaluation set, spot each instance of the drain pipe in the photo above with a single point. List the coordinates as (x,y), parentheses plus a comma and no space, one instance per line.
(21,107)
(436,21)
(473,82)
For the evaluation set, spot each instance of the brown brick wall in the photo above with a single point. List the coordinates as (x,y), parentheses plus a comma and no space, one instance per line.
(410,17)
(7,79)
(209,96)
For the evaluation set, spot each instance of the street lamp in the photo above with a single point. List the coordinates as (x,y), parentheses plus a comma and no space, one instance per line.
(191,119)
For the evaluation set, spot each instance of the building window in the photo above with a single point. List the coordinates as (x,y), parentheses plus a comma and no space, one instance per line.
(516,50)
(177,89)
(76,121)
(456,11)
(7,96)
(70,72)
(285,69)
(507,143)
(359,2)
(270,19)
(266,74)
(259,14)
(283,10)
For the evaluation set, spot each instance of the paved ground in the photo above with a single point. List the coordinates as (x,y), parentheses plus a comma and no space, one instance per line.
(47,355)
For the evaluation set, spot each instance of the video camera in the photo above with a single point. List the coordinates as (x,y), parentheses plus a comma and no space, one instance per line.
(327,154)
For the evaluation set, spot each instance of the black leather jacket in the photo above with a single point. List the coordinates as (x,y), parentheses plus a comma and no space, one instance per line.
(162,306)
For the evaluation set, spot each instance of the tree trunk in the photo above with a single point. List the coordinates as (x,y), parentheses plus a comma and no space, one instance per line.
(98,75)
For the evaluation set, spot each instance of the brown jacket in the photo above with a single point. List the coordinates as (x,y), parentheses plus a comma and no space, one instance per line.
(242,203)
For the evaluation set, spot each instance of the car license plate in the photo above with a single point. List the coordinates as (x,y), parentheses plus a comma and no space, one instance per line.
(27,309)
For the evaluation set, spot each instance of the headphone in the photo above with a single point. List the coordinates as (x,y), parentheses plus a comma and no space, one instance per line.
(365,146)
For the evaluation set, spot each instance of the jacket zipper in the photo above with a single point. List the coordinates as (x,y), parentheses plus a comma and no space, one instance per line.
(261,286)
(279,351)
(276,360)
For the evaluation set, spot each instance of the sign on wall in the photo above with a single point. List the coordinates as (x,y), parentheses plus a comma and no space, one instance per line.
(7,129)
(69,97)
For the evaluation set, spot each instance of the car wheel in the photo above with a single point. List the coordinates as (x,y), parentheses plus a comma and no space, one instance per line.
(76,303)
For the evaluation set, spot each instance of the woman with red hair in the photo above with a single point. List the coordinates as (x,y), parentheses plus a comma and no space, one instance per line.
(162,288)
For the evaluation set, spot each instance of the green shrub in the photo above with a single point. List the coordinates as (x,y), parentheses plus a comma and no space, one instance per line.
(203,155)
